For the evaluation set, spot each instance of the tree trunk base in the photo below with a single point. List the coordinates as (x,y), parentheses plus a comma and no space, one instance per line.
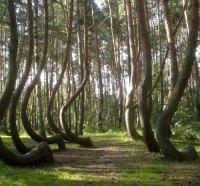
(190,153)
(39,154)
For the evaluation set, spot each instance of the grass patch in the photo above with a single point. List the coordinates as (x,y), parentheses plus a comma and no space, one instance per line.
(116,160)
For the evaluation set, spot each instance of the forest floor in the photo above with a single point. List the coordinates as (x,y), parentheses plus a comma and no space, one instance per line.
(115,160)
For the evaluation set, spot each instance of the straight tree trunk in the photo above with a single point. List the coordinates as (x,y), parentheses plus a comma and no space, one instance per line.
(100,83)
(80,59)
(39,88)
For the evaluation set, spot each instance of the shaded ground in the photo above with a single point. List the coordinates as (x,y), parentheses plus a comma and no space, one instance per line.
(105,159)
(114,161)
(120,162)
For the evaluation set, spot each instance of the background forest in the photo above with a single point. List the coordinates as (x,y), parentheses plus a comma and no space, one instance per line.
(69,67)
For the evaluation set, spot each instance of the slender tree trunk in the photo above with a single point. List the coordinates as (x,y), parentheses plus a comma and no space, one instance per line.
(98,60)
(26,122)
(63,119)
(61,76)
(80,59)
(148,135)
(129,110)
(37,59)
(171,43)
(16,96)
(116,54)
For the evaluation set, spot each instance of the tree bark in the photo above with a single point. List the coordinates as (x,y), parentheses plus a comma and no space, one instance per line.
(41,125)
(27,125)
(80,60)
(100,83)
(165,118)
(148,135)
(172,47)
(60,78)
(197,94)
(42,152)
(129,111)
(63,120)
(16,96)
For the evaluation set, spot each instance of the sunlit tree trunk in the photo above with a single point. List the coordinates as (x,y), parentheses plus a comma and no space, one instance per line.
(129,110)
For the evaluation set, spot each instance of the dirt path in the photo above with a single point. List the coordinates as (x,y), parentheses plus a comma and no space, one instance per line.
(110,159)
(102,159)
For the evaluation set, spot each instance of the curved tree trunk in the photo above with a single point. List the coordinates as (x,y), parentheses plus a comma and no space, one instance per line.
(165,118)
(172,50)
(148,135)
(13,108)
(57,85)
(129,117)
(80,140)
(27,125)
(12,72)
(41,152)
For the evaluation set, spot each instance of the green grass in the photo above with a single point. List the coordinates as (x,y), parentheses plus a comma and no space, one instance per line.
(142,168)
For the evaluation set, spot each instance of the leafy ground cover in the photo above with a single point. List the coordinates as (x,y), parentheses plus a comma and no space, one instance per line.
(115,160)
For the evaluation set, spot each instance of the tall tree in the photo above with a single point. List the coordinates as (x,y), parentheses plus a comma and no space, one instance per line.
(80,140)
(98,60)
(16,96)
(129,110)
(165,118)
(26,122)
(61,76)
(171,43)
(42,151)
(37,60)
(80,60)
(142,94)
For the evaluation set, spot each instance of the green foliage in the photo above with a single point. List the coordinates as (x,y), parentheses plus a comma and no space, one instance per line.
(187,131)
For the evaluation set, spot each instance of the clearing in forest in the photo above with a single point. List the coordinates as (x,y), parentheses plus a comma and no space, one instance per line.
(115,160)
